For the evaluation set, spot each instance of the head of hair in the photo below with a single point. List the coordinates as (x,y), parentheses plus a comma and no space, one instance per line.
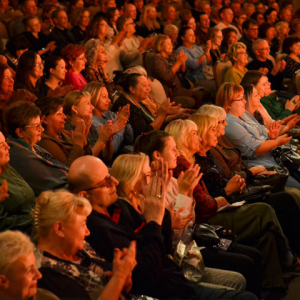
(76,14)
(257,44)
(226,34)
(170,28)
(13,244)
(131,80)
(92,48)
(50,63)
(46,9)
(181,34)
(56,12)
(248,91)
(204,123)
(19,114)
(27,20)
(288,43)
(179,130)
(151,141)
(202,4)
(263,28)
(222,9)
(281,24)
(212,32)
(3,67)
(166,10)
(94,89)
(128,169)
(268,12)
(215,11)
(232,51)
(184,13)
(137,69)
(71,52)
(93,28)
(73,98)
(252,77)
(110,14)
(25,66)
(160,39)
(143,18)
(227,92)
(121,22)
(49,105)
(248,22)
(255,15)
(59,206)
(209,109)
(294,24)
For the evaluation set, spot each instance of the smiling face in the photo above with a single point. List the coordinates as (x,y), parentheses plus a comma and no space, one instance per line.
(84,19)
(78,64)
(170,152)
(272,17)
(141,90)
(55,122)
(218,38)
(204,21)
(193,142)
(211,138)
(261,86)
(255,98)
(4,154)
(232,38)
(270,34)
(263,51)
(242,57)
(192,24)
(7,83)
(37,70)
(84,108)
(152,14)
(167,47)
(35,25)
(103,29)
(60,70)
(62,20)
(221,126)
(189,37)
(23,276)
(171,13)
(103,101)
(237,106)
(32,132)
(295,48)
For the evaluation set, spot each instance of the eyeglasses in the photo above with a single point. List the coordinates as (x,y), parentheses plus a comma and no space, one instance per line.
(267,48)
(36,126)
(253,28)
(108,183)
(222,122)
(8,78)
(39,64)
(240,99)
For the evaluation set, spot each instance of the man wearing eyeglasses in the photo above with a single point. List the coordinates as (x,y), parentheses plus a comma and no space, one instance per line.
(265,63)
(250,34)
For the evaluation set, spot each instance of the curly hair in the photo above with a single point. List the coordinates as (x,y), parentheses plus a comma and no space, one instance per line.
(71,52)
(92,47)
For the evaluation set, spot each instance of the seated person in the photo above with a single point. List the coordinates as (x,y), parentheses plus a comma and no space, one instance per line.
(155,275)
(17,269)
(229,38)
(262,63)
(80,19)
(237,54)
(291,46)
(23,124)
(67,260)
(6,86)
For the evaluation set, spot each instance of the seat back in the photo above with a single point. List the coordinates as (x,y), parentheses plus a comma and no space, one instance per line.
(296,83)
(220,69)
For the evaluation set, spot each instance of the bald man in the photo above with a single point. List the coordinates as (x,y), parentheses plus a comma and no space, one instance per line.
(130,10)
(114,223)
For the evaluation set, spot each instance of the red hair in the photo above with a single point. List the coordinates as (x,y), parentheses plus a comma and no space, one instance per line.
(71,52)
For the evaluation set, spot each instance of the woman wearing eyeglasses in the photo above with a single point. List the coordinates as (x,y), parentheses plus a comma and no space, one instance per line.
(29,71)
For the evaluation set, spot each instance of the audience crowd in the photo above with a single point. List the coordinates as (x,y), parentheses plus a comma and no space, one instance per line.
(119,135)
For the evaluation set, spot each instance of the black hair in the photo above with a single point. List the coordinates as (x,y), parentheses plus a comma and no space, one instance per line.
(182,33)
(131,80)
(263,28)
(51,63)
(49,105)
(246,24)
(288,43)
(268,12)
(248,91)
(252,77)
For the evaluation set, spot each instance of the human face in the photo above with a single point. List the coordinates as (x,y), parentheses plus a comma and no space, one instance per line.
(79,4)
(232,38)
(173,36)
(235,7)
(4,154)
(261,86)
(4,4)
(7,83)
(263,51)
(167,47)
(192,23)
(272,17)
(170,153)
(252,32)
(221,126)
(139,4)
(75,231)
(227,16)
(62,20)
(35,25)
(204,21)
(242,57)
(103,29)
(260,19)
(56,121)
(283,30)
(189,37)
(268,89)
(103,100)
(241,19)
(101,55)
(116,16)
(218,38)
(84,108)
(286,15)
(60,70)
(131,11)
(207,9)
(211,138)
(23,276)
(171,13)
(37,71)
(102,191)
(78,64)
(138,185)
(270,34)
(85,19)
(255,98)
(295,48)
(152,14)
(130,27)
(30,9)
(193,142)
(141,91)
(237,106)
(32,132)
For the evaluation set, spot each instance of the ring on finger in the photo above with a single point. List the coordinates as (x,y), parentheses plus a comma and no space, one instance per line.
(158,196)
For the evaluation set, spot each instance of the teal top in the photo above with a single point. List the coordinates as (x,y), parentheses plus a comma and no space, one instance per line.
(15,210)
(274,108)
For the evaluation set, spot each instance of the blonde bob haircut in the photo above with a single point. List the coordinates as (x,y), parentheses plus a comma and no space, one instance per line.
(204,123)
(227,92)
(232,51)
(128,169)
(213,110)
(59,206)
(179,130)
(94,89)
(160,39)
(144,21)
(13,244)
(73,98)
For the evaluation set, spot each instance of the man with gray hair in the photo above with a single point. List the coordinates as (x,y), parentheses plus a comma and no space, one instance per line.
(263,63)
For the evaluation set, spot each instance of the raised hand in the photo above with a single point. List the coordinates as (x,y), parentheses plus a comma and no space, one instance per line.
(4,191)
(274,130)
(118,126)
(165,107)
(188,180)
(124,112)
(79,134)
(105,131)
(283,139)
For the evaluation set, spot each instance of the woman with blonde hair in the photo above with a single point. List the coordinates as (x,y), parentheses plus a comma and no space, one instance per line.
(67,259)
(148,23)
(102,114)
(216,37)
(237,54)
(243,220)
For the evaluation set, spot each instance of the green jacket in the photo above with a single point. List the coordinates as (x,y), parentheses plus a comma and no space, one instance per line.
(274,108)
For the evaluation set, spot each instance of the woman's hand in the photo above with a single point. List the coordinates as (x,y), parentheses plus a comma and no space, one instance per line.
(165,107)
(124,112)
(79,134)
(221,201)
(178,221)
(188,180)
(292,104)
(181,57)
(118,126)
(274,130)
(105,131)
(283,139)
(4,191)
(293,122)
(207,46)
(50,46)
(234,185)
